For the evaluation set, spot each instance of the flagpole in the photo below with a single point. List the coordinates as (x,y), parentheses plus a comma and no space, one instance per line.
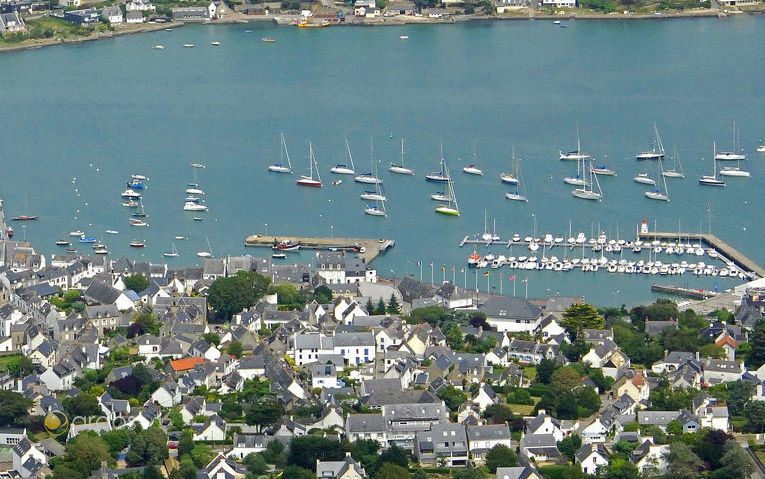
(513,285)
(454,275)
(420,271)
(500,283)
(465,278)
(431,274)
(488,278)
(526,280)
(476,280)
(443,274)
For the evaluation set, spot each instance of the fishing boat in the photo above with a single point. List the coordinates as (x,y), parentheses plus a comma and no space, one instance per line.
(677,169)
(644,179)
(62,243)
(137,244)
(267,40)
(342,169)
(587,192)
(215,44)
(279,255)
(520,193)
(658,148)
(77,233)
(173,253)
(286,245)
(471,169)
(87,240)
(474,259)
(192,206)
(279,167)
(578,178)
(130,194)
(450,209)
(575,155)
(309,180)
(401,169)
(205,253)
(130,204)
(136,184)
(712,180)
(439,176)
(658,194)
(138,223)
(112,232)
(369,178)
(732,155)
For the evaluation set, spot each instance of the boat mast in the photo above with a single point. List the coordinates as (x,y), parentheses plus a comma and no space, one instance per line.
(348,147)
(402,152)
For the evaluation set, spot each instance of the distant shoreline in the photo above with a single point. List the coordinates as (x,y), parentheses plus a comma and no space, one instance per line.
(289,20)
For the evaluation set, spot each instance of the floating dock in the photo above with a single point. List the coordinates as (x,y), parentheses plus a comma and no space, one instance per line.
(726,251)
(684,292)
(367,249)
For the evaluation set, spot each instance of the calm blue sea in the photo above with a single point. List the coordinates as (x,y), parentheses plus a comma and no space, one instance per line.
(79,119)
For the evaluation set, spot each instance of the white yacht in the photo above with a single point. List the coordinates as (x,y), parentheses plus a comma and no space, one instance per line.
(280,167)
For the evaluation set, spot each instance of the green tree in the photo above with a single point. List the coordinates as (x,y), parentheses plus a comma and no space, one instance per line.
(274,453)
(675,428)
(322,294)
(545,368)
(83,404)
(498,413)
(391,471)
(117,440)
(264,413)
(736,463)
(453,335)
(186,443)
(603,382)
(201,454)
(305,450)
(231,295)
(756,356)
(620,468)
(587,401)
(469,474)
(500,456)
(211,338)
(755,415)
(580,316)
(288,296)
(296,472)
(739,396)
(395,455)
(683,462)
(453,397)
(712,351)
(136,282)
(235,349)
(188,470)
(433,315)
(255,464)
(393,306)
(149,447)
(569,445)
(565,378)
(176,419)
(13,407)
(20,366)
(87,450)
(152,472)
(380,309)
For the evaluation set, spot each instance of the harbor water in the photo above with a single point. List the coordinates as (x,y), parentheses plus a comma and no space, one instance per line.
(78,120)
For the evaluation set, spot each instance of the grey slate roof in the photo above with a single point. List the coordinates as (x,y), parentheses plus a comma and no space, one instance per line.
(510,307)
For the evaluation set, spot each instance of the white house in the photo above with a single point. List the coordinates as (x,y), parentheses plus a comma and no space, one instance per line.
(324,376)
(509,313)
(559,3)
(355,348)
(148,346)
(595,432)
(543,424)
(485,397)
(60,377)
(212,430)
(482,438)
(167,395)
(112,15)
(27,459)
(306,347)
(590,457)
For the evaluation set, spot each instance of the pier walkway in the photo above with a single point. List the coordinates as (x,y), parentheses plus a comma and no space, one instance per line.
(724,249)
(367,249)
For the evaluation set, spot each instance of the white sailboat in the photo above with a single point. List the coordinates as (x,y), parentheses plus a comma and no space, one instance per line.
(341,169)
(279,167)
(369,178)
(658,148)
(439,176)
(677,169)
(309,180)
(517,195)
(578,179)
(657,194)
(472,169)
(712,180)
(173,253)
(450,209)
(576,154)
(193,188)
(509,178)
(205,253)
(378,209)
(734,154)
(604,170)
(644,179)
(588,192)
(401,169)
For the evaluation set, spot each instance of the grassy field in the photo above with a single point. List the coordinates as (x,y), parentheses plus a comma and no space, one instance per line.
(524,409)
(5,359)
(529,373)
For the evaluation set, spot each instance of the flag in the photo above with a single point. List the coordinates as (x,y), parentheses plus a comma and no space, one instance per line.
(452,268)
(512,278)
(419,263)
(486,273)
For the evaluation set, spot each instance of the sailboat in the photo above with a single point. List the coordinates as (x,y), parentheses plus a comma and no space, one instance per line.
(309,180)
(341,169)
(25,217)
(712,180)
(369,178)
(439,176)
(375,195)
(141,213)
(657,194)
(576,154)
(471,169)
(378,209)
(193,188)
(508,177)
(732,155)
(451,209)
(517,195)
(644,179)
(401,169)
(578,179)
(587,192)
(603,170)
(658,148)
(279,167)
(677,170)
(205,253)
(173,253)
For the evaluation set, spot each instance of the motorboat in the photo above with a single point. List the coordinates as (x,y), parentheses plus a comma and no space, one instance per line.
(77,233)
(136,184)
(130,204)
(130,194)
(138,223)
(279,255)
(192,206)
(215,44)
(62,243)
(286,245)
(472,170)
